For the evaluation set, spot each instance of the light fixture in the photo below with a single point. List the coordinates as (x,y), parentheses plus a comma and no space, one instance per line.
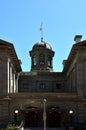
(70,111)
(16,111)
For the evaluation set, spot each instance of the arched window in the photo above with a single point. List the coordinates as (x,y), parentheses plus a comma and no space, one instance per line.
(34,60)
(41,59)
(49,62)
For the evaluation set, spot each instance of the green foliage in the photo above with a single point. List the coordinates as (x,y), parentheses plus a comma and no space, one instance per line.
(10,127)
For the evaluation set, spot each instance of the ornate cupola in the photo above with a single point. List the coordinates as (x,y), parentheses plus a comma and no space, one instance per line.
(41,57)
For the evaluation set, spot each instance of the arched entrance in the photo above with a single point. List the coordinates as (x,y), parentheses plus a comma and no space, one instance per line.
(31,119)
(53,118)
(31,116)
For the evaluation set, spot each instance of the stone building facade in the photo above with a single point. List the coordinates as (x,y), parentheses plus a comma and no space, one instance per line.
(43,97)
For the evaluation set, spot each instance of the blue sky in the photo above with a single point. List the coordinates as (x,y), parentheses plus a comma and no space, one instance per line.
(20,21)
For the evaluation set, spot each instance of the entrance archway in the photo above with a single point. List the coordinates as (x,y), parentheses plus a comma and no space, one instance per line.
(31,116)
(31,119)
(53,118)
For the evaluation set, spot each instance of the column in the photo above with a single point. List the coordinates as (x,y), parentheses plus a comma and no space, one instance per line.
(44,113)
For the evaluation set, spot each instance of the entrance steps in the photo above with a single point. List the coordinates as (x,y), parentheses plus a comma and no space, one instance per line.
(62,128)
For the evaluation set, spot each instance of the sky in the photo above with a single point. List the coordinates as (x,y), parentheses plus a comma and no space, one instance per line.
(20,22)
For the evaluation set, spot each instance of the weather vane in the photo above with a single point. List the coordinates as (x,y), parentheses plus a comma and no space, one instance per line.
(41,29)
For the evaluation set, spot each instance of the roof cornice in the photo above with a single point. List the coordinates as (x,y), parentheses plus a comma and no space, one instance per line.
(74,50)
(11,50)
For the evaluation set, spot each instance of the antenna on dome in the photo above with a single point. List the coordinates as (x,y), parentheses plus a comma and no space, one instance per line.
(41,29)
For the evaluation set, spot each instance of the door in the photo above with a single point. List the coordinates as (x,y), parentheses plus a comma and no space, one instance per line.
(31,119)
(53,119)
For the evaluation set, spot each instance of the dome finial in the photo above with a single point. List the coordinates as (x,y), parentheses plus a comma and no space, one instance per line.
(41,29)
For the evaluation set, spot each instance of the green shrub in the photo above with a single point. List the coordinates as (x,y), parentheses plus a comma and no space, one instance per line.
(10,127)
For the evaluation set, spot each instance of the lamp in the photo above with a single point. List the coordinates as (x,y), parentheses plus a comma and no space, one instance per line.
(16,116)
(71,117)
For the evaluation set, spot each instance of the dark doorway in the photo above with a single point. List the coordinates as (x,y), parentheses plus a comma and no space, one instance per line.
(53,119)
(31,119)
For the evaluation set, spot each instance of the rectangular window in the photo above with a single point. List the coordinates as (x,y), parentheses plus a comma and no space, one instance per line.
(25,85)
(42,86)
(58,86)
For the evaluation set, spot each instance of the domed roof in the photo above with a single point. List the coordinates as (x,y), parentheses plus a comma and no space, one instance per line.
(42,44)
